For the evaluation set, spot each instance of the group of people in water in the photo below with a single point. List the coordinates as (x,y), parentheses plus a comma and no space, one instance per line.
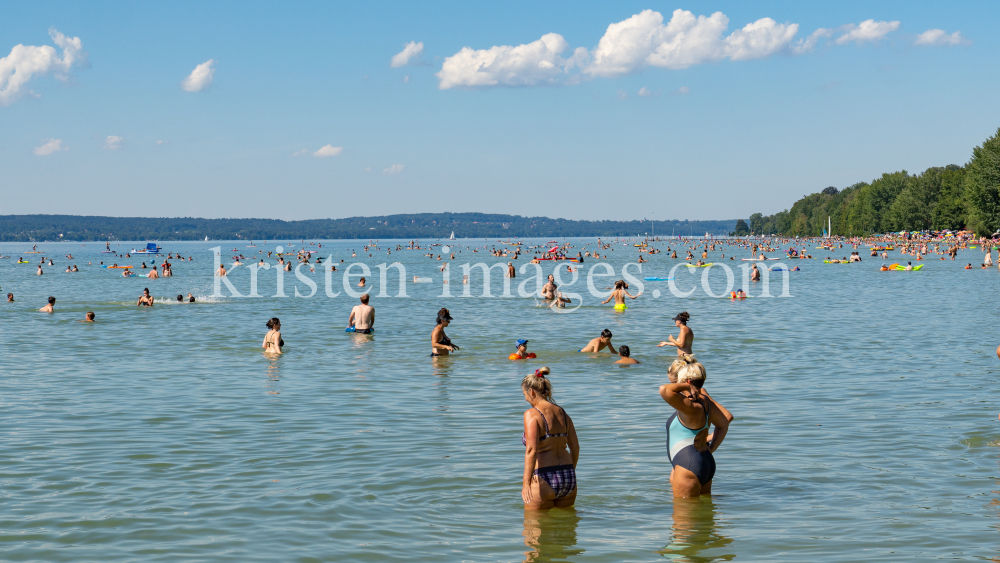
(552,447)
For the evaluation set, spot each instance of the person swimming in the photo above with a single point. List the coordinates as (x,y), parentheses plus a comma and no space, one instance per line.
(522,352)
(619,294)
(551,451)
(684,340)
(89,317)
(560,301)
(689,446)
(145,300)
(625,356)
(273,343)
(49,308)
(190,298)
(440,343)
(601,342)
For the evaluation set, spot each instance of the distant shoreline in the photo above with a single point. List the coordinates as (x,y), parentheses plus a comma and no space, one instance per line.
(87,228)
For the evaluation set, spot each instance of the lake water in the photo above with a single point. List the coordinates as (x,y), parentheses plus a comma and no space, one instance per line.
(865,427)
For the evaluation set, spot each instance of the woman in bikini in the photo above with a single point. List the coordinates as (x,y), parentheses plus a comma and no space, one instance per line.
(619,294)
(685,339)
(689,444)
(551,447)
(272,340)
(440,343)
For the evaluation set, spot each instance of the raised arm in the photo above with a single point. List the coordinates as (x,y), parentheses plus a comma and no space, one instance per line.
(672,393)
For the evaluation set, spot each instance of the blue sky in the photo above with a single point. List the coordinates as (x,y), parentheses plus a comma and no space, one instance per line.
(631,111)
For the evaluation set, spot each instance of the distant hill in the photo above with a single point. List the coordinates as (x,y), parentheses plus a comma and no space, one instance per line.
(39,228)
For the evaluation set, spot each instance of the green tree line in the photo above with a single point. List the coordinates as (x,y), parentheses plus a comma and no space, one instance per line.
(40,228)
(948,197)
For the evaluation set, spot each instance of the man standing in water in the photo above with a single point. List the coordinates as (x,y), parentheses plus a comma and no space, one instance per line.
(362,316)
(685,339)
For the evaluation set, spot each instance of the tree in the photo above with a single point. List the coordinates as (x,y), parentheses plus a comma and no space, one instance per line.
(830,191)
(741,229)
(983,185)
(757,223)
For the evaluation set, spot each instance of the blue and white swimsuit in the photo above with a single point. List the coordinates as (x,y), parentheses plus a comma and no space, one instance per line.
(681,451)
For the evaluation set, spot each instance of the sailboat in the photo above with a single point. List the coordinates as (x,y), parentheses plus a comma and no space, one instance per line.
(452,237)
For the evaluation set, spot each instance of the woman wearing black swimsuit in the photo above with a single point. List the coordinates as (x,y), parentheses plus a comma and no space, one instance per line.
(689,445)
(549,468)
(272,340)
(440,343)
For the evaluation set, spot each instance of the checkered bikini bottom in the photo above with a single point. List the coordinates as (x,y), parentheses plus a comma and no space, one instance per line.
(562,478)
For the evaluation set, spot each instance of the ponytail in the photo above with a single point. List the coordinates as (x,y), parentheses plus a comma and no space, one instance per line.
(539,383)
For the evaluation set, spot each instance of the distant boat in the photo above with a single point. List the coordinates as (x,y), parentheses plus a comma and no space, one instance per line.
(151,248)
(452,237)
(206,238)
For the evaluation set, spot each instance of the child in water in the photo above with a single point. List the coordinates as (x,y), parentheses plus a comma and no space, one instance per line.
(522,352)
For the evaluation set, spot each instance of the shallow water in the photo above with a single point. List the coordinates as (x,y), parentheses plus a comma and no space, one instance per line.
(864,428)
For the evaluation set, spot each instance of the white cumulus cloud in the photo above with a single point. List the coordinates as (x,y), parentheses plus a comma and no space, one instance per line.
(686,40)
(49,146)
(328,151)
(26,61)
(113,142)
(804,46)
(868,30)
(394,169)
(682,91)
(200,78)
(644,92)
(934,37)
(535,63)
(411,52)
(302,152)
(641,41)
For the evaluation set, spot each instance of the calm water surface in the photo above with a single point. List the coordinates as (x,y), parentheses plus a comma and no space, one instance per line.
(865,426)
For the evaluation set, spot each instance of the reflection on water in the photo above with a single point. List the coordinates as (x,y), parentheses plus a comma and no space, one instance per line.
(695,538)
(442,368)
(273,373)
(551,535)
(361,341)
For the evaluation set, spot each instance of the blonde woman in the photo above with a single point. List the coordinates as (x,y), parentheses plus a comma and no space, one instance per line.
(551,447)
(689,444)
